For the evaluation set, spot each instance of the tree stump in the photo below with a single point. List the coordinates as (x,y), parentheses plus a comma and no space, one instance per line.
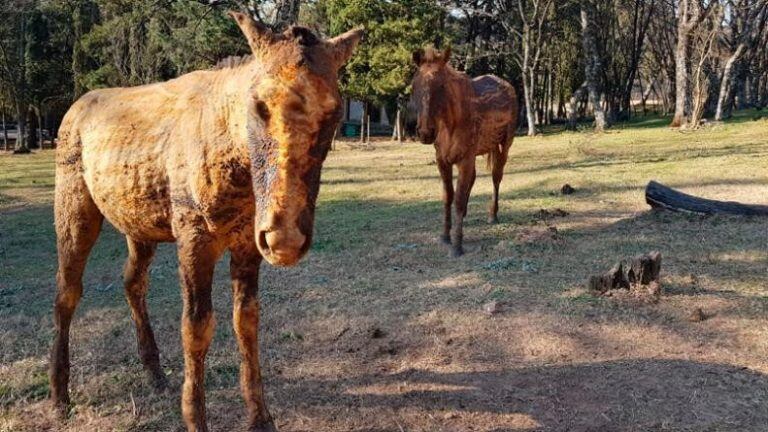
(642,271)
(659,196)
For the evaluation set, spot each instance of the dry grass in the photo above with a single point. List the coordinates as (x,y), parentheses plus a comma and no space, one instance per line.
(378,330)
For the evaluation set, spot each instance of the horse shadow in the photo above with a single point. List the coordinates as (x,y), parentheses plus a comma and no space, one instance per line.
(621,395)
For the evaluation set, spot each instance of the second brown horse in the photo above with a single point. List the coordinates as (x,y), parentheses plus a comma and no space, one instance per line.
(463,118)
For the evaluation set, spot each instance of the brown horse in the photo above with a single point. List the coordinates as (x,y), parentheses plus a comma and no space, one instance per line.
(463,118)
(215,160)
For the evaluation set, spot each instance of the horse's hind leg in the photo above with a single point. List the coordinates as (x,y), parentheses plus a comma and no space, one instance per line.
(136,279)
(78,223)
(497,172)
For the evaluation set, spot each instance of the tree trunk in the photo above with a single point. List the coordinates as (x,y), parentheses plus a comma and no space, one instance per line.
(21,122)
(362,122)
(368,128)
(530,113)
(5,134)
(591,67)
(286,13)
(726,83)
(572,106)
(681,79)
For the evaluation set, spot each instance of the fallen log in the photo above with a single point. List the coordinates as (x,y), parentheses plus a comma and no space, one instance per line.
(659,196)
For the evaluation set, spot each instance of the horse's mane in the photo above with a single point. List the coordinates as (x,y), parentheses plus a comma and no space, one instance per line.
(431,54)
(232,62)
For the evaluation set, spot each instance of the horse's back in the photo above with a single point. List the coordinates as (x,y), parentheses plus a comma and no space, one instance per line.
(495,105)
(494,93)
(120,138)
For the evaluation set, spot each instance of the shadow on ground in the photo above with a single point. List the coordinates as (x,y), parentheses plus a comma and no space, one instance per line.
(625,395)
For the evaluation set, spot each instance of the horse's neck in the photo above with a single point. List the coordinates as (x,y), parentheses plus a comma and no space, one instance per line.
(230,90)
(458,100)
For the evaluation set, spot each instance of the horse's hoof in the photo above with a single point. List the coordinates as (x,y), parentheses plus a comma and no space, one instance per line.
(445,239)
(263,427)
(457,251)
(158,381)
(60,408)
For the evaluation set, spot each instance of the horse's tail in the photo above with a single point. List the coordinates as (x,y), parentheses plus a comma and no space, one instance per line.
(492,157)
(499,151)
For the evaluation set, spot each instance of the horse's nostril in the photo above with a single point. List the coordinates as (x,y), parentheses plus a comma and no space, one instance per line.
(262,241)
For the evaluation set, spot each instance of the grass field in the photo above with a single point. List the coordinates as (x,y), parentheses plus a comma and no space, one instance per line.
(378,330)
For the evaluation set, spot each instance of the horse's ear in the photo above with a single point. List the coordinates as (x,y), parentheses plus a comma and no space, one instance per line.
(343,45)
(256,33)
(418,56)
(446,55)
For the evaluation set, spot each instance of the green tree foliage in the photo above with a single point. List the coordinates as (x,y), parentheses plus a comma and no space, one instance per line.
(382,67)
(140,42)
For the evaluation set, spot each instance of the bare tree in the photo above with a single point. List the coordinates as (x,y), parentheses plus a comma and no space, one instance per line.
(526,23)
(660,56)
(13,63)
(690,13)
(703,68)
(747,20)
(592,64)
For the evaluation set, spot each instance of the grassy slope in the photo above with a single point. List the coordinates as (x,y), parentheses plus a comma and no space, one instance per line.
(556,358)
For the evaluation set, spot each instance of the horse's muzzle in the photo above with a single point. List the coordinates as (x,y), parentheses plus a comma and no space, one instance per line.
(427,136)
(282,246)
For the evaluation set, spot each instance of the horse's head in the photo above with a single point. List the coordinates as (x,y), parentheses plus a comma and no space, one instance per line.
(428,96)
(293,110)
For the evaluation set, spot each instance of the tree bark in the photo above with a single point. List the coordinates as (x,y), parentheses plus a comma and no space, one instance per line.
(725,85)
(573,105)
(591,66)
(21,122)
(5,133)
(690,14)
(530,113)
(362,122)
(681,79)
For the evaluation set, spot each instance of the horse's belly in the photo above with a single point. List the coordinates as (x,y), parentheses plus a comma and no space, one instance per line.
(131,191)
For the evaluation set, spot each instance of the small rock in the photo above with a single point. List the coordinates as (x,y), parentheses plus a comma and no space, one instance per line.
(377,333)
(697,315)
(567,189)
(492,308)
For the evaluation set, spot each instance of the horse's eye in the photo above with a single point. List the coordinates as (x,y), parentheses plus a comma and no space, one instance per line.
(262,110)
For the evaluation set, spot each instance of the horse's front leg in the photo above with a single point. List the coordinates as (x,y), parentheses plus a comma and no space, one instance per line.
(244,268)
(446,173)
(463,189)
(198,254)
